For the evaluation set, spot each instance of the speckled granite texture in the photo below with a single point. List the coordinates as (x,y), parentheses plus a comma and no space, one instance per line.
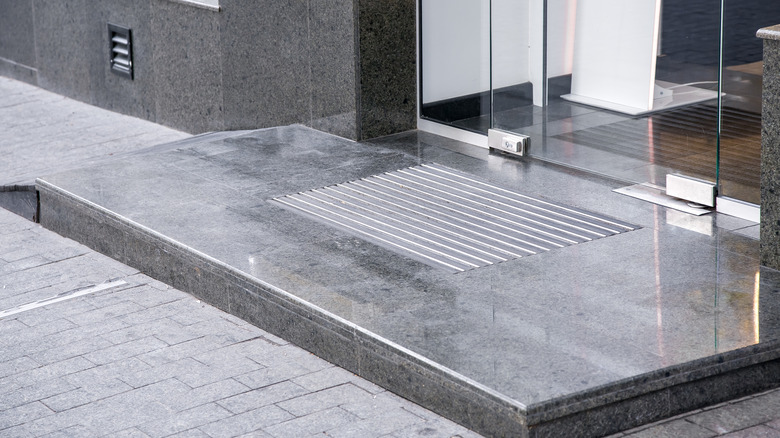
(770,150)
(63,61)
(770,33)
(387,66)
(17,46)
(346,67)
(117,93)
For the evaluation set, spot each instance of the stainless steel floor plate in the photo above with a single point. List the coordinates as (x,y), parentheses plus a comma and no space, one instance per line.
(450,219)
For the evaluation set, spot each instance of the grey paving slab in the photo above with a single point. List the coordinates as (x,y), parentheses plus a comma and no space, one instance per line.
(379,425)
(735,417)
(316,423)
(754,432)
(55,353)
(54,370)
(185,420)
(266,376)
(197,433)
(21,395)
(672,429)
(326,378)
(17,365)
(73,431)
(124,350)
(325,399)
(271,394)
(431,429)
(148,403)
(216,392)
(367,406)
(258,419)
(756,414)
(85,394)
(181,350)
(22,414)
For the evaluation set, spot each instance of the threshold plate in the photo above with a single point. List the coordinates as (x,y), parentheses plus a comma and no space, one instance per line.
(657,195)
(449,219)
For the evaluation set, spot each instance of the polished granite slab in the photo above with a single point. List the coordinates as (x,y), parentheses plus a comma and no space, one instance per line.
(770,138)
(590,339)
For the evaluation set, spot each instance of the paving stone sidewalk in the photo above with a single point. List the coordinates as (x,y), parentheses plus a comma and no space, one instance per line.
(141,359)
(756,416)
(43,133)
(125,355)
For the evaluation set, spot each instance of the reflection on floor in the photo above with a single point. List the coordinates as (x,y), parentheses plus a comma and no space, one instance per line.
(645,149)
(683,141)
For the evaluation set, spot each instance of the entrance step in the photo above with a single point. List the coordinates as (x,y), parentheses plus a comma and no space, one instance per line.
(585,340)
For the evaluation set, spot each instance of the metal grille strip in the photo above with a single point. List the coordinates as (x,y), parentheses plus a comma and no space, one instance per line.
(449,219)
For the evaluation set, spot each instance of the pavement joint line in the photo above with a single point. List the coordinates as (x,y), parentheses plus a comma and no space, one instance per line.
(50,262)
(61,297)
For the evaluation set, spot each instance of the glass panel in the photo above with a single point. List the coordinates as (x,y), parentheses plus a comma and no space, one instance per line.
(517,59)
(740,139)
(455,62)
(629,88)
(625,89)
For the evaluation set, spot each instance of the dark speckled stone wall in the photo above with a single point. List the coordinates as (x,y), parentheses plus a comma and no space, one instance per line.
(17,46)
(290,62)
(136,98)
(333,56)
(346,67)
(770,150)
(187,67)
(64,48)
(387,66)
(265,67)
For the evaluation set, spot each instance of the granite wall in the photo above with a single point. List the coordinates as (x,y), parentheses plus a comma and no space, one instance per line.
(17,42)
(770,149)
(346,67)
(387,67)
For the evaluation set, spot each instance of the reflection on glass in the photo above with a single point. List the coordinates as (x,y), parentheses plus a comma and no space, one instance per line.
(641,94)
(742,70)
(627,89)
(756,306)
(455,62)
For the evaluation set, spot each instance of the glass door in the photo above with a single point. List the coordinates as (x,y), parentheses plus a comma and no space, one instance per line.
(741,70)
(455,63)
(632,90)
(624,89)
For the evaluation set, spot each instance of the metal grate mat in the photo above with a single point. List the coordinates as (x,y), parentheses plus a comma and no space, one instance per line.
(449,219)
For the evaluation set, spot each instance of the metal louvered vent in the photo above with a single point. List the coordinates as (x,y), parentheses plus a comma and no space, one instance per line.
(449,219)
(121,50)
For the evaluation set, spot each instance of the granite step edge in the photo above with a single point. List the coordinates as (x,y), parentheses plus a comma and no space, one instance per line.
(662,393)
(326,335)
(599,411)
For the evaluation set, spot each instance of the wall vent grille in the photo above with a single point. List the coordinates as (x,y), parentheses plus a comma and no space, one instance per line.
(121,50)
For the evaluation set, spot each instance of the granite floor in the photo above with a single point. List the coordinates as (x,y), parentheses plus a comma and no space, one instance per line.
(538,331)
